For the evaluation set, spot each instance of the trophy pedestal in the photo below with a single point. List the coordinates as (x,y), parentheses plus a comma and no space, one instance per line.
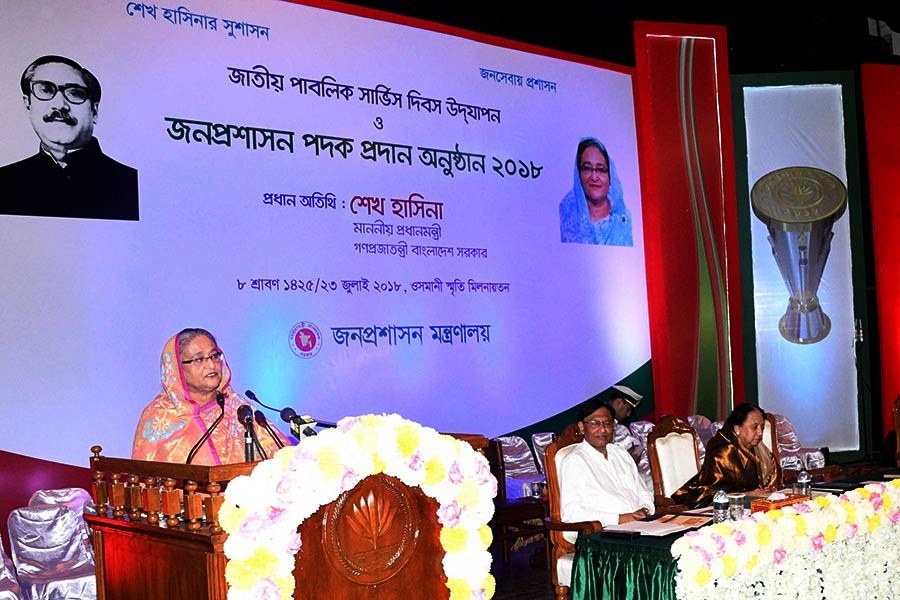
(804,324)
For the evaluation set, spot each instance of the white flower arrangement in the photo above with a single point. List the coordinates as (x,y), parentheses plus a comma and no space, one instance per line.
(262,511)
(830,547)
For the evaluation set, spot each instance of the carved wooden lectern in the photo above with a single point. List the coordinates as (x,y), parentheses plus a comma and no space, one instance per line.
(156,535)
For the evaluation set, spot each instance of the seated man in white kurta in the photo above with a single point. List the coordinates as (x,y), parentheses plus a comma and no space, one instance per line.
(598,481)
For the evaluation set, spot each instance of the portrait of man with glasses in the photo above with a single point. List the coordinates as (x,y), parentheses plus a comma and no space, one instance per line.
(69,176)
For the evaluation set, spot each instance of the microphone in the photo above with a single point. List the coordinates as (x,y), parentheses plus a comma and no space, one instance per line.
(261,419)
(252,396)
(289,415)
(245,417)
(220,400)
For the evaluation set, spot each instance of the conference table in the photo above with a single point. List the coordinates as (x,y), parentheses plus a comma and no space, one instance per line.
(611,566)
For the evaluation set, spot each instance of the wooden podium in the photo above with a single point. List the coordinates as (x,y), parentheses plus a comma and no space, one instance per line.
(156,535)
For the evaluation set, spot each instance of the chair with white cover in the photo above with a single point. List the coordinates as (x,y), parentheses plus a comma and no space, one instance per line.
(641,431)
(793,457)
(562,534)
(520,467)
(674,450)
(49,553)
(78,499)
(540,441)
(9,584)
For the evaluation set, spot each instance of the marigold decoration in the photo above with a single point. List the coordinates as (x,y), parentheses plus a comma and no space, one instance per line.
(829,547)
(263,510)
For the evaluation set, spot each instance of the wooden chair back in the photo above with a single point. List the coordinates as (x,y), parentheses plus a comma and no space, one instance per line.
(770,439)
(674,451)
(559,545)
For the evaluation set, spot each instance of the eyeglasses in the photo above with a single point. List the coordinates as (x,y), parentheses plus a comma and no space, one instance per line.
(46,90)
(215,357)
(589,170)
(594,424)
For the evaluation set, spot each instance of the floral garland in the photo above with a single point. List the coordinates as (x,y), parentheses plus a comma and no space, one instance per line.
(262,511)
(828,547)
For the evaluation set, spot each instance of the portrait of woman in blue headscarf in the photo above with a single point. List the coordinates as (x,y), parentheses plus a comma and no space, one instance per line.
(594,211)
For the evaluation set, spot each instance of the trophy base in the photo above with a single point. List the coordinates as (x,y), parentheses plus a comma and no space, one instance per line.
(804,326)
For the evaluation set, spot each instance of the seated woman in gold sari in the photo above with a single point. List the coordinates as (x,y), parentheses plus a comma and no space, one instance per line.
(735,460)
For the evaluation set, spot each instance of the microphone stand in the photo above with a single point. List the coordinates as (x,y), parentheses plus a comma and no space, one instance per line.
(245,416)
(261,419)
(220,400)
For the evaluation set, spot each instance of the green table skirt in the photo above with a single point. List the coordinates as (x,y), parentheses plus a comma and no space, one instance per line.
(615,569)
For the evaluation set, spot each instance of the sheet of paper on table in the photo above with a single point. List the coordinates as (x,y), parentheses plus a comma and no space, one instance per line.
(664,525)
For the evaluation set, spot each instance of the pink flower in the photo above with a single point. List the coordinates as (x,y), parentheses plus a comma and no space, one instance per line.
(295,543)
(347,423)
(843,497)
(877,501)
(818,542)
(705,556)
(482,470)
(415,461)
(779,555)
(267,589)
(895,516)
(448,516)
(739,538)
(455,475)
(851,531)
(720,545)
(349,479)
(802,507)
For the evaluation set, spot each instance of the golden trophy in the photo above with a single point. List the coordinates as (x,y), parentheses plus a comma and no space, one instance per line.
(799,205)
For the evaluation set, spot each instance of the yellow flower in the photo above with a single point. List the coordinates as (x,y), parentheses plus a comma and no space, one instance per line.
(230,516)
(407,440)
(822,501)
(752,562)
(284,456)
(490,586)
(895,483)
(287,587)
(330,464)
(459,589)
(453,539)
(469,492)
(434,471)
(378,464)
(723,529)
(775,514)
(830,533)
(486,535)
(874,522)
(800,525)
(729,565)
(850,509)
(703,576)
(243,574)
(886,502)
(764,535)
(864,493)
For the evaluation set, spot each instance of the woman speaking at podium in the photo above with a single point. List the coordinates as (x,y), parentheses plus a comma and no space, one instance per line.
(196,393)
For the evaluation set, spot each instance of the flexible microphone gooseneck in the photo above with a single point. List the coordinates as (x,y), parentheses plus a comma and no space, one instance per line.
(262,420)
(220,400)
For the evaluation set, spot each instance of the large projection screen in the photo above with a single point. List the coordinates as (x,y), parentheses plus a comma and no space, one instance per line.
(365,213)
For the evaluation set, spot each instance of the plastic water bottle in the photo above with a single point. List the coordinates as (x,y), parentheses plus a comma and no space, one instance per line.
(720,507)
(804,482)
